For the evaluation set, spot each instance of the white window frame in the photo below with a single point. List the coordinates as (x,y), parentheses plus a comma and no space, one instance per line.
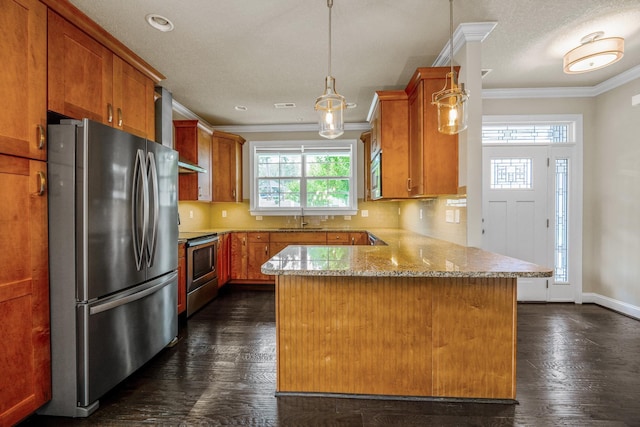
(256,146)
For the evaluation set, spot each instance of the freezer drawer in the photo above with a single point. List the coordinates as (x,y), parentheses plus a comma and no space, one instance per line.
(119,334)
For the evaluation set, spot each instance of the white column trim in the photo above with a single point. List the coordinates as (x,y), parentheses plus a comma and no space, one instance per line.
(466,32)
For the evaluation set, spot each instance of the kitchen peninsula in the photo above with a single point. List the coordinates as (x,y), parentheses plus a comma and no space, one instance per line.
(418,317)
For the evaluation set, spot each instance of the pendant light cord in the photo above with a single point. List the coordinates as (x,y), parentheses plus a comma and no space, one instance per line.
(329,5)
(451,36)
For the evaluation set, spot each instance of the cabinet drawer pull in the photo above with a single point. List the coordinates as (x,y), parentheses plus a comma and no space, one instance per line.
(119,117)
(266,250)
(109,113)
(409,184)
(42,183)
(41,137)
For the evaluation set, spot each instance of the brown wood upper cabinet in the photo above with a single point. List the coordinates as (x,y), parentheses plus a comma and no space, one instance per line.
(23,80)
(86,79)
(193,143)
(390,139)
(433,156)
(227,167)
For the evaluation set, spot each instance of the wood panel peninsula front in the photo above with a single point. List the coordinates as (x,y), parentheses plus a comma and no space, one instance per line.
(419,317)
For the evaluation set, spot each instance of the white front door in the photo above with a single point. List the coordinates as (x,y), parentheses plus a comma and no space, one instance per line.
(515,210)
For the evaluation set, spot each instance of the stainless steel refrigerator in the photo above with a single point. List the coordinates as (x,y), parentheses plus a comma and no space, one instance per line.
(113,230)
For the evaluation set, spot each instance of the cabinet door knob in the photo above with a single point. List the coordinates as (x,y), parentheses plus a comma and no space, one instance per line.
(266,250)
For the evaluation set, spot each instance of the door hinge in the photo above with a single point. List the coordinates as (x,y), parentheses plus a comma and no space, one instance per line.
(548,162)
(547,222)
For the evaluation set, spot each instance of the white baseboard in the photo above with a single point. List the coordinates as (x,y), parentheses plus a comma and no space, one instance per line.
(619,306)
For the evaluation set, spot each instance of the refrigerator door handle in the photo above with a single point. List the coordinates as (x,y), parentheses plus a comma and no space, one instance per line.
(139,232)
(152,174)
(109,305)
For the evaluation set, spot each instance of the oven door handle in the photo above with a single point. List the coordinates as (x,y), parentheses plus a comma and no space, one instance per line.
(203,241)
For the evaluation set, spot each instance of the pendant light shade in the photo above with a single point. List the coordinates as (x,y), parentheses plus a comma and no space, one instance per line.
(330,106)
(451,101)
(452,107)
(594,53)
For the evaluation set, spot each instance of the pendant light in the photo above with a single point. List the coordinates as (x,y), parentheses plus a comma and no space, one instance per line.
(593,53)
(331,104)
(451,100)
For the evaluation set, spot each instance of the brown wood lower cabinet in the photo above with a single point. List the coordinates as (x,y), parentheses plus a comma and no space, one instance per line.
(224,258)
(238,256)
(249,250)
(346,238)
(257,254)
(182,278)
(25,368)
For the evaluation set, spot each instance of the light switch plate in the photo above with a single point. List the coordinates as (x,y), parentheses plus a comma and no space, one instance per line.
(364,213)
(224,214)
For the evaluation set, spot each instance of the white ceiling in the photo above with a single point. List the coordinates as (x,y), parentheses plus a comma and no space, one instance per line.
(259,52)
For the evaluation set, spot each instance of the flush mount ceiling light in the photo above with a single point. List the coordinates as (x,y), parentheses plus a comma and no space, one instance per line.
(330,105)
(451,101)
(159,22)
(593,53)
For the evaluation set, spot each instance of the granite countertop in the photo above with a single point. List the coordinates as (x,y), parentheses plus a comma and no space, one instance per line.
(406,254)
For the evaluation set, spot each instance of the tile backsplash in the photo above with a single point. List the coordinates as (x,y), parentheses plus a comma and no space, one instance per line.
(202,215)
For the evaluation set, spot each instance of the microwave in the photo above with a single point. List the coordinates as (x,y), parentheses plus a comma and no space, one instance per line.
(376,176)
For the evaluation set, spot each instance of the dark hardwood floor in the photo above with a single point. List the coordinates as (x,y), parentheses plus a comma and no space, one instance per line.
(578,365)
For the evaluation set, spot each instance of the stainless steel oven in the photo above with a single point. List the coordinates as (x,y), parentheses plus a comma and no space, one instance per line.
(202,277)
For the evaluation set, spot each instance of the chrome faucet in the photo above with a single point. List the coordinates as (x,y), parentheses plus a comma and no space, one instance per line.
(302,223)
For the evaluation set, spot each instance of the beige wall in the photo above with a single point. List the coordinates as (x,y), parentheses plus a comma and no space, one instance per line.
(611,185)
(612,205)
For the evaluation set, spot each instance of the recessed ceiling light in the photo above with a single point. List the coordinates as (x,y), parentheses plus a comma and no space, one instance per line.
(159,22)
(240,108)
(285,105)
(351,105)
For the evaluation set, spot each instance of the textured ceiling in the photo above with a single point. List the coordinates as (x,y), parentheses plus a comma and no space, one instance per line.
(259,52)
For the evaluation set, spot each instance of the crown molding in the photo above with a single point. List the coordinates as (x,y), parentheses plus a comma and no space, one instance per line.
(184,111)
(564,92)
(465,33)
